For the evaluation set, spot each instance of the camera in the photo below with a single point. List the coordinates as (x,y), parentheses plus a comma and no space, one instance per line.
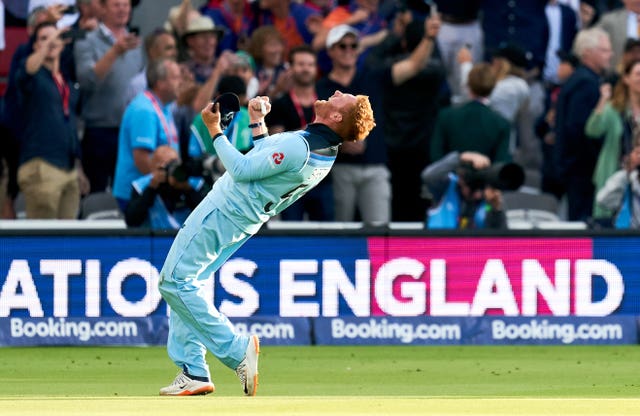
(502,176)
(197,167)
(177,170)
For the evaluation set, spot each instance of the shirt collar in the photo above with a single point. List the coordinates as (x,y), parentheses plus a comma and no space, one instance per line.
(321,136)
(106,31)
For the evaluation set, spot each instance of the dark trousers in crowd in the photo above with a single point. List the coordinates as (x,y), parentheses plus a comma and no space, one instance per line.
(406,165)
(99,155)
(580,194)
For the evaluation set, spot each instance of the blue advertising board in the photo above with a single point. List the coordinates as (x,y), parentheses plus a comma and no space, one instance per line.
(86,278)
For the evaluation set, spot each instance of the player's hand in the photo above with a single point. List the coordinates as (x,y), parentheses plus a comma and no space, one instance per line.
(258,108)
(211,117)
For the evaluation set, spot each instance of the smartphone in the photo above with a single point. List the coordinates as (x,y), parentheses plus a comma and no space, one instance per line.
(71,10)
(134,31)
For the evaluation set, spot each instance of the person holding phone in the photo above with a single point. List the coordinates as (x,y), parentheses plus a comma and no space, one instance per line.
(48,173)
(106,60)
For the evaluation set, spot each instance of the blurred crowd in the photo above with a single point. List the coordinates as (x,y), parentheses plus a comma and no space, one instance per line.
(94,106)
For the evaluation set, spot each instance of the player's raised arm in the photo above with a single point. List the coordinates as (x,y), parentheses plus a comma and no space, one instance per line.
(257,164)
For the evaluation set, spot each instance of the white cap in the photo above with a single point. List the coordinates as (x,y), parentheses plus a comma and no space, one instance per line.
(336,34)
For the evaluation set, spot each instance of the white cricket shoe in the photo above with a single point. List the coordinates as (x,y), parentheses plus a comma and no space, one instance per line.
(183,385)
(247,370)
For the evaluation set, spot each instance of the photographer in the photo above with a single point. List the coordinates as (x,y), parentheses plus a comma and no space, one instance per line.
(621,192)
(163,198)
(463,191)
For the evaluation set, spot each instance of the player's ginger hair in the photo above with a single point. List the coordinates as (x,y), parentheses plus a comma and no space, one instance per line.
(359,121)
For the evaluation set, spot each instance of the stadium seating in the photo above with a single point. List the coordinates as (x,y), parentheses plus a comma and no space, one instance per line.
(100,206)
(19,207)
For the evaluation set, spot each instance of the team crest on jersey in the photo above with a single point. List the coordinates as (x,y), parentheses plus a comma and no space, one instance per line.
(277,157)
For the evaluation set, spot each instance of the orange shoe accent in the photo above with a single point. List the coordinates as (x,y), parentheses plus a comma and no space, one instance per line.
(201,391)
(256,343)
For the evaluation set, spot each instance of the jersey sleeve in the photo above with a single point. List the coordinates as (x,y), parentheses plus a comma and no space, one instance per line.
(271,159)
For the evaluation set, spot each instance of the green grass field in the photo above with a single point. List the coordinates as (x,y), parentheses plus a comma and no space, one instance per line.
(452,380)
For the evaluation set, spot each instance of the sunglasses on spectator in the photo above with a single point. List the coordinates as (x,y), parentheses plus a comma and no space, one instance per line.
(345,46)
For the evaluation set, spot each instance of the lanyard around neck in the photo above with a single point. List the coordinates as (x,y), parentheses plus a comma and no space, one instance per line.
(300,110)
(169,128)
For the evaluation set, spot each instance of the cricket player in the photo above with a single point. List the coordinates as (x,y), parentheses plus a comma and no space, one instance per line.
(273,175)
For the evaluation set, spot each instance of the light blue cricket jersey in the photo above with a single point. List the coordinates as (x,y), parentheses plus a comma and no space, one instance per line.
(273,175)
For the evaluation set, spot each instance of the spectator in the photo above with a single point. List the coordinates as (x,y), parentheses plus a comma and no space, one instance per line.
(366,188)
(410,106)
(621,192)
(158,44)
(244,66)
(456,200)
(589,13)
(615,119)
(473,126)
(235,17)
(296,23)
(267,48)
(362,15)
(147,123)
(545,126)
(460,29)
(87,21)
(48,174)
(563,26)
(575,154)
(238,132)
(293,111)
(510,98)
(162,199)
(201,38)
(12,118)
(106,60)
(89,12)
(621,24)
(523,23)
(631,53)
(177,23)
(63,19)
(520,22)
